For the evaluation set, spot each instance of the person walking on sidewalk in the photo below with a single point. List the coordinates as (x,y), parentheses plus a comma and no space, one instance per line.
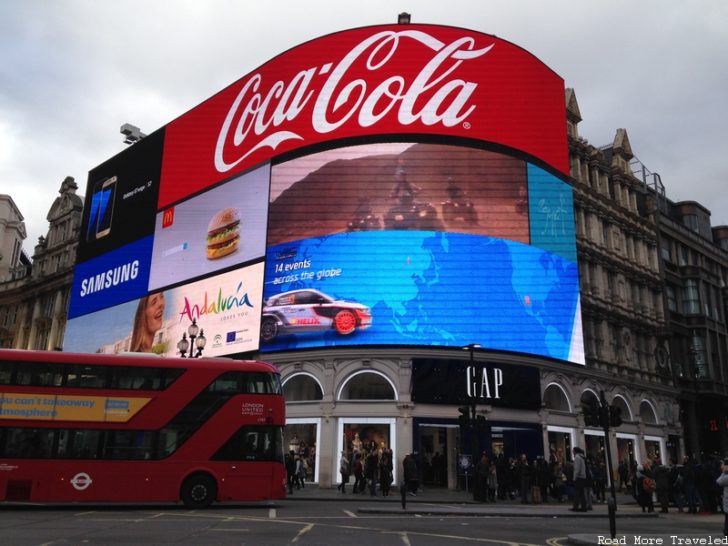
(722,482)
(579,481)
(343,471)
(358,474)
(370,471)
(411,480)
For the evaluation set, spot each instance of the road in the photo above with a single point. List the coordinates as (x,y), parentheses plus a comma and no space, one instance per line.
(321,523)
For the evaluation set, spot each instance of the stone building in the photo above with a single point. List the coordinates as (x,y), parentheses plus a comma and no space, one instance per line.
(694,264)
(34,294)
(626,331)
(625,325)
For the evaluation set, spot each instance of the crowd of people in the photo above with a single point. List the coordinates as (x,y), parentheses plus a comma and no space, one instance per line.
(370,465)
(299,461)
(689,486)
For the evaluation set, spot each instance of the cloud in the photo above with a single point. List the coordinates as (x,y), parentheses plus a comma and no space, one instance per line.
(75,70)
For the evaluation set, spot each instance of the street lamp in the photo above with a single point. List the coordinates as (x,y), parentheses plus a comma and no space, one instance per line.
(183,345)
(196,342)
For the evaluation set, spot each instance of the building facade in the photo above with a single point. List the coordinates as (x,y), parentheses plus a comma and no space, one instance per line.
(34,294)
(694,265)
(336,397)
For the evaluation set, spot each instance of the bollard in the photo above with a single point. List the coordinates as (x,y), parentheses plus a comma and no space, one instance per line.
(403,494)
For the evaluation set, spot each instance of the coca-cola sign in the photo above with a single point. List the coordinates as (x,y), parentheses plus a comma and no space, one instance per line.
(392,80)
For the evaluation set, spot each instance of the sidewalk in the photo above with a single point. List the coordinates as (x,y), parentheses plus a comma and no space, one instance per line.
(449,502)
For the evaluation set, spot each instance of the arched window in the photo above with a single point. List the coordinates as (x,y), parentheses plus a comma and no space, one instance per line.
(302,387)
(555,398)
(589,397)
(368,385)
(621,403)
(648,413)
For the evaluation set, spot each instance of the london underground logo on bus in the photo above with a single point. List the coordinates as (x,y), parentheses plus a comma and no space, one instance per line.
(352,91)
(81,481)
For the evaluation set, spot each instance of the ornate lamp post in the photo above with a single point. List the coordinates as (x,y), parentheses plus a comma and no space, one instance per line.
(195,343)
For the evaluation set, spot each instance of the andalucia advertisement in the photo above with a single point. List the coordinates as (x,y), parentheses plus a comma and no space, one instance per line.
(225,309)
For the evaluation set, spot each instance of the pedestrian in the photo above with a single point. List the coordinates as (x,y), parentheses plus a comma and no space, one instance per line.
(623,471)
(385,472)
(492,482)
(689,486)
(589,484)
(343,471)
(480,487)
(300,473)
(409,466)
(579,481)
(662,485)
(290,462)
(677,486)
(523,471)
(722,482)
(600,479)
(535,485)
(358,474)
(645,486)
(544,479)
(371,465)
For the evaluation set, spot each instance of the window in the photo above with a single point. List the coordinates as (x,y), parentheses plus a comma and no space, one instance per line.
(691,298)
(78,444)
(86,376)
(129,444)
(253,443)
(246,382)
(690,221)
(26,443)
(671,299)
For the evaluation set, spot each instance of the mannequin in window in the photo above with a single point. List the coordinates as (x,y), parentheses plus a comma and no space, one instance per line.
(356,443)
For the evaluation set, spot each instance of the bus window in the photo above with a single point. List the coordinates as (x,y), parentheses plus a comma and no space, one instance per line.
(129,444)
(6,372)
(78,444)
(86,376)
(171,375)
(168,442)
(27,443)
(227,382)
(39,375)
(252,443)
(261,383)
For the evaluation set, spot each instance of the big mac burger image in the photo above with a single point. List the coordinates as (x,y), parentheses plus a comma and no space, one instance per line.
(223,233)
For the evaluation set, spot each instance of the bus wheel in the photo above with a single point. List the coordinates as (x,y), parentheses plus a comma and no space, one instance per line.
(199,491)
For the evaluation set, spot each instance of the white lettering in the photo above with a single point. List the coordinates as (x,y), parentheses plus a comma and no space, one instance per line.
(342,97)
(107,279)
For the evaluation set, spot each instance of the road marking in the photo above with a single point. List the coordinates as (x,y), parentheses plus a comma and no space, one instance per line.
(556,541)
(350,513)
(405,539)
(302,532)
(272,513)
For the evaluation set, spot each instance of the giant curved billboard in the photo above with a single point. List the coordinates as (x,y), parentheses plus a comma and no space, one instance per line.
(391,185)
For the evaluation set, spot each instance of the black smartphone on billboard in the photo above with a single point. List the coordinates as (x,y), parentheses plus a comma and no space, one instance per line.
(102,209)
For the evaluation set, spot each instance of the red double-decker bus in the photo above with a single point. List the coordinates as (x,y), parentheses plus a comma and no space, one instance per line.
(138,428)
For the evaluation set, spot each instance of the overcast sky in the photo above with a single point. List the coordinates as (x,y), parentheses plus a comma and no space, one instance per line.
(72,72)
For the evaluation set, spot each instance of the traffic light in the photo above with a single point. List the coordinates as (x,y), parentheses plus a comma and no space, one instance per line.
(591,414)
(481,424)
(615,416)
(464,418)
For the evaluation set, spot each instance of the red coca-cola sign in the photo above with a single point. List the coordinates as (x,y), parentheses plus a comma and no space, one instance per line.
(385,80)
